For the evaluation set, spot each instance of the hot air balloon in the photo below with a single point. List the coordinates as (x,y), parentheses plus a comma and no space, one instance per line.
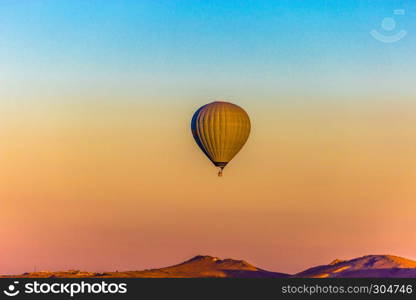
(220,129)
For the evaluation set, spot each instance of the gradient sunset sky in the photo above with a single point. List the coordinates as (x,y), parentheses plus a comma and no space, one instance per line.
(98,167)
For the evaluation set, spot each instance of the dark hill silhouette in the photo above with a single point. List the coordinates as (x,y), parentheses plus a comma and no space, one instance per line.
(204,266)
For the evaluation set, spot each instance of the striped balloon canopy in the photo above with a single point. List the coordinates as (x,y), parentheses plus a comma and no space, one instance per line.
(221,129)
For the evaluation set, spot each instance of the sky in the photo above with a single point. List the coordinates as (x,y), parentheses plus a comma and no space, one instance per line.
(99,170)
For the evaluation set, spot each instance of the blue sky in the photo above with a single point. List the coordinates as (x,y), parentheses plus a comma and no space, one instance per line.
(267,43)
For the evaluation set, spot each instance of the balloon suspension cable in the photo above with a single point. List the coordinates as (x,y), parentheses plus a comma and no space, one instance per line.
(220,172)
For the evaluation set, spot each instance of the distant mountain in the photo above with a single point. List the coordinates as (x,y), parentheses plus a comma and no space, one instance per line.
(201,266)
(198,267)
(366,266)
(209,266)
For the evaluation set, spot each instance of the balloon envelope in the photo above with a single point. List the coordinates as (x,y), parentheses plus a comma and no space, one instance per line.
(221,129)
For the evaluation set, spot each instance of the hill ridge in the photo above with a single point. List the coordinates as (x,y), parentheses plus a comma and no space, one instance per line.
(203,266)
